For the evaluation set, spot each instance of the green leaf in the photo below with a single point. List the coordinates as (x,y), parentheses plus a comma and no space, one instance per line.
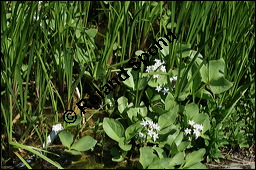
(66,138)
(122,104)
(204,94)
(161,164)
(75,123)
(183,95)
(91,32)
(165,50)
(130,81)
(167,119)
(213,70)
(171,137)
(197,80)
(149,93)
(199,57)
(160,152)
(139,52)
(198,166)
(194,157)
(168,130)
(113,128)
(73,152)
(183,145)
(84,144)
(191,110)
(118,158)
(206,124)
(200,118)
(143,110)
(178,159)
(146,156)
(132,112)
(132,130)
(169,101)
(178,139)
(220,85)
(154,82)
(169,26)
(122,144)
(184,50)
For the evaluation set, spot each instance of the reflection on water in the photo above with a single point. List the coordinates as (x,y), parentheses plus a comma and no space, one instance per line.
(86,162)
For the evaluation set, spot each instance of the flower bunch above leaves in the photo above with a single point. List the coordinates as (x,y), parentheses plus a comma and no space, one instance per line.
(150,130)
(197,128)
(160,67)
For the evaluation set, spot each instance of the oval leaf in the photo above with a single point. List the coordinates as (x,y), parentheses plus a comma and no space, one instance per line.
(213,70)
(84,144)
(146,156)
(113,128)
(122,104)
(167,119)
(66,138)
(191,110)
(220,85)
(123,145)
(178,159)
(132,130)
(161,164)
(194,157)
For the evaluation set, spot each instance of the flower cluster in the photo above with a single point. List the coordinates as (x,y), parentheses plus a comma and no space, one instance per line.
(174,78)
(158,66)
(152,129)
(165,90)
(173,81)
(197,128)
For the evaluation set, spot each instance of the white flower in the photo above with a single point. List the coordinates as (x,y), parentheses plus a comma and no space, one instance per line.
(157,64)
(155,136)
(150,132)
(144,123)
(150,123)
(158,88)
(141,135)
(191,122)
(149,69)
(156,76)
(165,91)
(197,133)
(198,127)
(163,69)
(155,67)
(187,131)
(156,127)
(57,127)
(157,61)
(174,78)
